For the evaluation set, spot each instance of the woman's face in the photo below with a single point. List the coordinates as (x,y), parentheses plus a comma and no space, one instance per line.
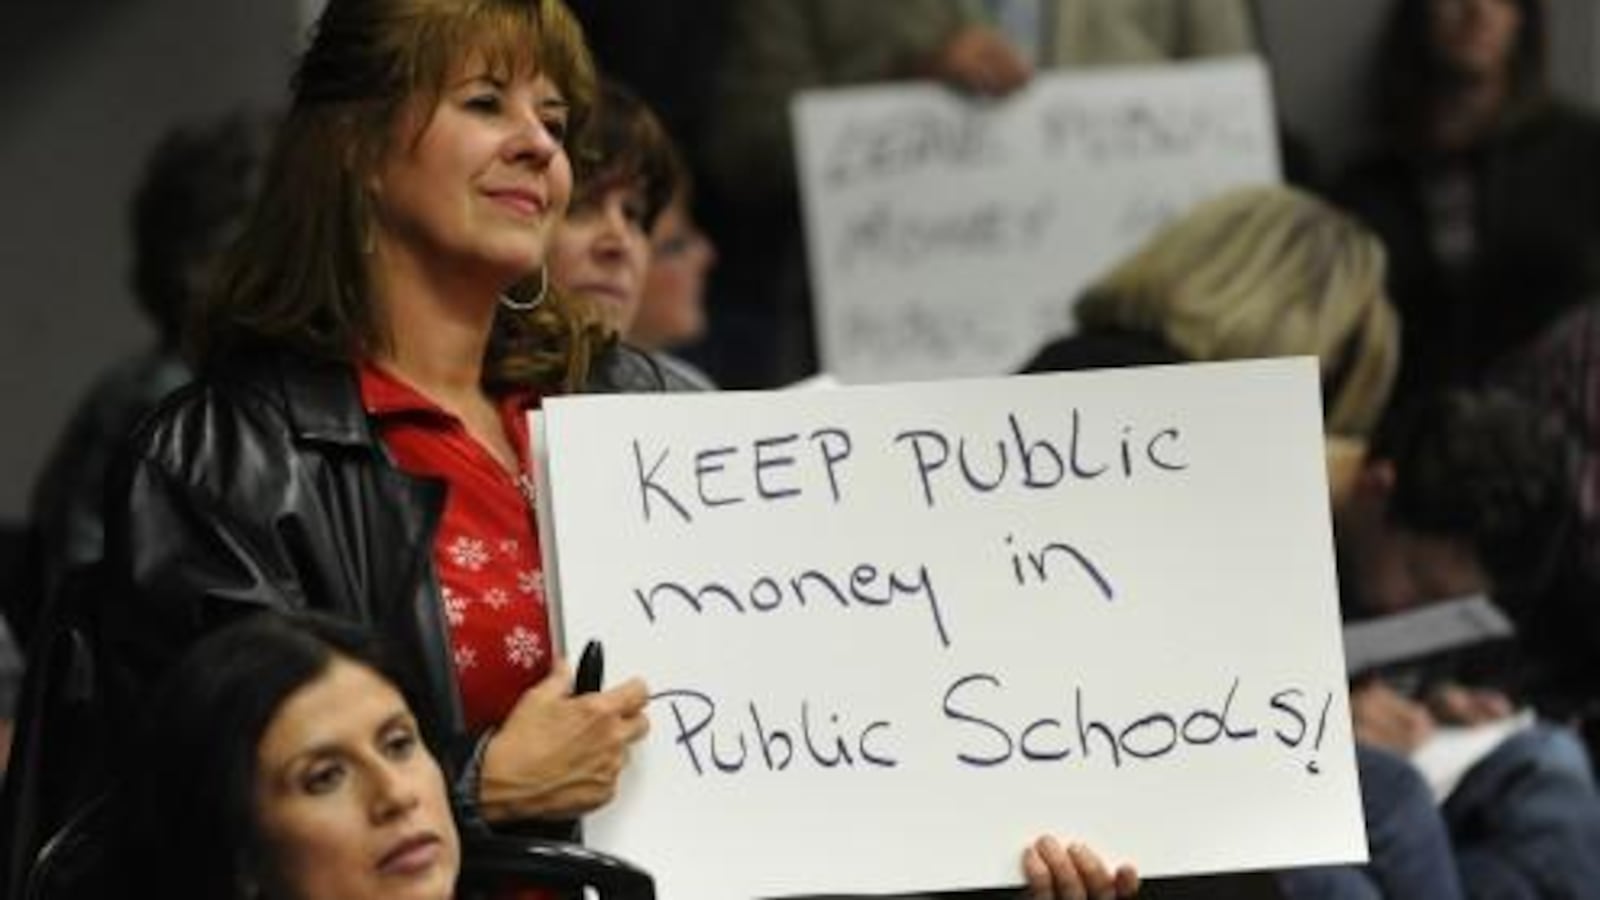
(350,804)
(601,252)
(673,309)
(477,183)
(1475,37)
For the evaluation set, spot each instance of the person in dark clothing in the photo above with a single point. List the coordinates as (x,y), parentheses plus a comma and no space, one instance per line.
(1484,191)
(353,442)
(1271,272)
(1467,491)
(1560,372)
(1262,272)
(197,186)
(438,329)
(1474,491)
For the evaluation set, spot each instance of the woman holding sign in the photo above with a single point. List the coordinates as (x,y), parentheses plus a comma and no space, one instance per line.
(354,443)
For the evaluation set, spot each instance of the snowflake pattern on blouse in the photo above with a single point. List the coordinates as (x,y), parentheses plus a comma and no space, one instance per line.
(455,606)
(469,553)
(522,648)
(531,582)
(484,548)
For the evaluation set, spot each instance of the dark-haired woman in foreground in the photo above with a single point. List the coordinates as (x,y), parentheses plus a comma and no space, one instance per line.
(280,760)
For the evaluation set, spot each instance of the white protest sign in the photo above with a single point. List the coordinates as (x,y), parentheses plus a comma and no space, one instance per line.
(949,236)
(892,633)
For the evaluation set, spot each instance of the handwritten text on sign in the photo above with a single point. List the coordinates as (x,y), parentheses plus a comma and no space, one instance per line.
(905,629)
(949,237)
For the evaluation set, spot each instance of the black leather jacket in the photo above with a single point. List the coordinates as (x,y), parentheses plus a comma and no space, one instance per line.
(262,486)
(265,487)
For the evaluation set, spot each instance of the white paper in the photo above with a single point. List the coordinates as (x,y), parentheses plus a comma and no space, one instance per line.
(1195,568)
(1452,751)
(1411,635)
(550,557)
(949,236)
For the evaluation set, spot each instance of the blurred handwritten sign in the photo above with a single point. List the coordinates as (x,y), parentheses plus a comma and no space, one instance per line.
(894,632)
(950,237)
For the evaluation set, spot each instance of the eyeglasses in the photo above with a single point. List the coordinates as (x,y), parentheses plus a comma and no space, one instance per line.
(678,245)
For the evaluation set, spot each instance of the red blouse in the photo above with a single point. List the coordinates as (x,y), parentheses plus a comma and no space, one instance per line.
(486,551)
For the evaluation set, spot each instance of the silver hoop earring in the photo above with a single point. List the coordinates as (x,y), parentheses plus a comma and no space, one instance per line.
(526,306)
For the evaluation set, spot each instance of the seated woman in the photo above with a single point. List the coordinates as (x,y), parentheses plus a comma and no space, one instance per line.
(1468,492)
(1560,372)
(1262,272)
(1274,272)
(1256,272)
(281,759)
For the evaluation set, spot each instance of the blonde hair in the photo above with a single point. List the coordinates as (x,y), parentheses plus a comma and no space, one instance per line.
(1260,272)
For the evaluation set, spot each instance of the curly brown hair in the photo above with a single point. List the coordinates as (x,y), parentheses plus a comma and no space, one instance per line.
(629,145)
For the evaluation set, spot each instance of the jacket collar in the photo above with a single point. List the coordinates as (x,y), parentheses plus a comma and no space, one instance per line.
(324,401)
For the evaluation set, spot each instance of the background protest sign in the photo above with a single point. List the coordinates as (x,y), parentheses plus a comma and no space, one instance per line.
(894,632)
(949,237)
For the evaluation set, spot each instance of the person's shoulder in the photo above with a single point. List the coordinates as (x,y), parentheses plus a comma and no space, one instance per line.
(682,375)
(1100,349)
(1374,161)
(1546,133)
(223,415)
(626,369)
(1373,182)
(1374,164)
